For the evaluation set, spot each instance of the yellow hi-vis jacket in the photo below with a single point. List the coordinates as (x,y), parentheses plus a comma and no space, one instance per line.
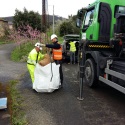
(33,58)
(72,46)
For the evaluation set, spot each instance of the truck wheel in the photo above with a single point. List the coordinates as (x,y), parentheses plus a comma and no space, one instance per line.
(90,72)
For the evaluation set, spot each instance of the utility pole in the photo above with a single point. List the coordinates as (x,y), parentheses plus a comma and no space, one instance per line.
(44,14)
(53,20)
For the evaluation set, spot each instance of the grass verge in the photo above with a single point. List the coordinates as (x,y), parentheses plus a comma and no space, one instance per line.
(4,40)
(15,104)
(21,52)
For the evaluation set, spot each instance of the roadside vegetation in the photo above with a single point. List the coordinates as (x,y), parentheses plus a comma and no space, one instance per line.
(20,54)
(16,108)
(4,40)
(15,103)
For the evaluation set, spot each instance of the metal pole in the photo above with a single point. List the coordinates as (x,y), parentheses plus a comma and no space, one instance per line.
(53,20)
(81,85)
(81,75)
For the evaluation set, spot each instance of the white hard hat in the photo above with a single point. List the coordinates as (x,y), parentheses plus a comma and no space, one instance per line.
(38,45)
(53,36)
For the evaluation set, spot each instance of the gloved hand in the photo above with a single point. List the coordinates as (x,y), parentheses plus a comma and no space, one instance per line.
(42,44)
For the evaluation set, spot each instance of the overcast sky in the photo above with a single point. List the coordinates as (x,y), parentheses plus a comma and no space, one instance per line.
(61,7)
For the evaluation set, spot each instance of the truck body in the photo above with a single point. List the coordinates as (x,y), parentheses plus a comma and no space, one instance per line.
(102,43)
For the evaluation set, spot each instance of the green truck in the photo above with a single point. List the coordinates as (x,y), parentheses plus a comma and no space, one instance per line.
(102,43)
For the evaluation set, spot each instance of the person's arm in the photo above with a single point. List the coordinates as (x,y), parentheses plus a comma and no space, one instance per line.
(53,46)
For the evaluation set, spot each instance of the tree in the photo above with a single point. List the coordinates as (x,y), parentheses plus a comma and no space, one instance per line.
(25,18)
(69,26)
(23,36)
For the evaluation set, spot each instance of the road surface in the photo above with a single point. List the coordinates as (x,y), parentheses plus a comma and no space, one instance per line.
(101,106)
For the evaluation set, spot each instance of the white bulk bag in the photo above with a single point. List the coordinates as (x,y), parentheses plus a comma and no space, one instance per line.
(44,81)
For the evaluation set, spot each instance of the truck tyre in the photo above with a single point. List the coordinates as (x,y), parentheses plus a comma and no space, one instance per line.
(90,73)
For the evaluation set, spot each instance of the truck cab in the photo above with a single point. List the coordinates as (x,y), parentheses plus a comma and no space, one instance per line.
(100,20)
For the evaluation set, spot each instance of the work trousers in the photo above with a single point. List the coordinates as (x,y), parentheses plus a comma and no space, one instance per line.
(72,57)
(31,69)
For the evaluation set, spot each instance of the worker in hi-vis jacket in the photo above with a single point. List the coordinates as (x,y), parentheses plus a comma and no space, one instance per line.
(34,56)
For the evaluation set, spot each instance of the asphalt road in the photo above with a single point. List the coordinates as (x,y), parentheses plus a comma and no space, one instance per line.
(9,70)
(101,106)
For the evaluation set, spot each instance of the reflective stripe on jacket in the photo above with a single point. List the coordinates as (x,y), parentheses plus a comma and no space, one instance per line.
(57,54)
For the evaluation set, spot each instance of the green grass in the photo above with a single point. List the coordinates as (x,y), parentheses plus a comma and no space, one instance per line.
(19,52)
(4,40)
(1,42)
(15,105)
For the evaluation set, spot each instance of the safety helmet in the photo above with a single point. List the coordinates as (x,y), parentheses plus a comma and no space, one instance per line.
(53,36)
(38,45)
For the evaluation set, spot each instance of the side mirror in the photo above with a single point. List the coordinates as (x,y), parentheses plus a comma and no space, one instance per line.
(78,23)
